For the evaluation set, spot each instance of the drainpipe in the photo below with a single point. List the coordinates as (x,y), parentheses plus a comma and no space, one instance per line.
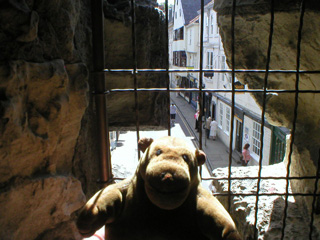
(103,142)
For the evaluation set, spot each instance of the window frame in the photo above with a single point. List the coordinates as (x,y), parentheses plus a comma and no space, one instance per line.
(212,25)
(228,120)
(221,116)
(256,135)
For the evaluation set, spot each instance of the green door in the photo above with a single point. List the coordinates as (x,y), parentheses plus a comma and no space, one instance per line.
(278,148)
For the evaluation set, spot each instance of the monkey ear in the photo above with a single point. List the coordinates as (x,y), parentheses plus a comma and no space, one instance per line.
(144,143)
(201,157)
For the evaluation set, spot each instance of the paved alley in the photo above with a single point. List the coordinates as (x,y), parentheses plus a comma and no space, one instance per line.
(217,152)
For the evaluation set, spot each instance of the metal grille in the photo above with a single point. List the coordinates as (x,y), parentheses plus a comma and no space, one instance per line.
(100,92)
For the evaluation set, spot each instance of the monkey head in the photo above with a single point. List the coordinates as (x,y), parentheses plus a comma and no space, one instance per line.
(169,168)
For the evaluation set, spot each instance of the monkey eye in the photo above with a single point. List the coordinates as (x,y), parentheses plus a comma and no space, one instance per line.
(185,157)
(158,152)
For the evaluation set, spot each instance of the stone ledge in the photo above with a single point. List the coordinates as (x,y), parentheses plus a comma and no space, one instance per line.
(271,208)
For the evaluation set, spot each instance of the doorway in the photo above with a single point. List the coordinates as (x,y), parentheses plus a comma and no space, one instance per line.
(214,111)
(238,135)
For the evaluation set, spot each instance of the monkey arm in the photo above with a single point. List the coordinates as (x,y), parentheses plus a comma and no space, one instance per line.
(214,221)
(101,209)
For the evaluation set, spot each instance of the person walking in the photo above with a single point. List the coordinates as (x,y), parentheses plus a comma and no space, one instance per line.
(213,129)
(245,155)
(207,126)
(173,112)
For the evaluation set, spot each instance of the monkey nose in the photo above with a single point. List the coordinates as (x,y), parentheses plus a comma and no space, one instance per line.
(166,176)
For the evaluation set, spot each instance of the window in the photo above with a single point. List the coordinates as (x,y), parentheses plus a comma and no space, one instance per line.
(221,115)
(255,128)
(223,66)
(179,58)
(217,29)
(178,34)
(209,64)
(212,23)
(190,36)
(256,138)
(222,62)
(191,61)
(206,30)
(180,12)
(228,117)
(210,60)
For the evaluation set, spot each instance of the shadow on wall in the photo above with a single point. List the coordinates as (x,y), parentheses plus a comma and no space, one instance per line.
(297,224)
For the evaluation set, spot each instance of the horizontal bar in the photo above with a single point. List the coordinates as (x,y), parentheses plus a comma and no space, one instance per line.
(263,178)
(252,178)
(210,71)
(267,194)
(206,90)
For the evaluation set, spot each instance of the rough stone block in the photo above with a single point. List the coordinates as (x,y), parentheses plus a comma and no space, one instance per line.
(270,208)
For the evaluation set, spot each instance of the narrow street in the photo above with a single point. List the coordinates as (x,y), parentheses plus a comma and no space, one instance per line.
(217,153)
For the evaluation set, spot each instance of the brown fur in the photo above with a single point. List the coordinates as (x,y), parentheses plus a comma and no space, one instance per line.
(162,201)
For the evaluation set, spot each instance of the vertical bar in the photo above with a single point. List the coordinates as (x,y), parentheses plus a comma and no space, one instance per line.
(302,8)
(314,197)
(263,116)
(134,72)
(200,73)
(167,67)
(99,85)
(232,100)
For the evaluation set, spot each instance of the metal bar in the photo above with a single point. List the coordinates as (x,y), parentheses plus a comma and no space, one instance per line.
(99,85)
(267,194)
(256,178)
(232,100)
(167,69)
(134,72)
(276,91)
(262,178)
(302,9)
(271,71)
(200,75)
(263,117)
(314,197)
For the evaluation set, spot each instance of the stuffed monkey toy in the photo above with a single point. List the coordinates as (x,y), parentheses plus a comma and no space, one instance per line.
(164,200)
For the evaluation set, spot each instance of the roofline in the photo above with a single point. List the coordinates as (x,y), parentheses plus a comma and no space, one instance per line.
(206,6)
(193,20)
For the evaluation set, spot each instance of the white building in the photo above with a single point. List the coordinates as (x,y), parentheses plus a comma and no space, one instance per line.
(247,117)
(185,48)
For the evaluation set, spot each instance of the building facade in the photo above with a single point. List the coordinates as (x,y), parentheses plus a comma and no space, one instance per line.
(218,105)
(185,47)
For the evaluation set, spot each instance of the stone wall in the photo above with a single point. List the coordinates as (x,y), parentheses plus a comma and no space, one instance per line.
(150,30)
(271,209)
(251,30)
(44,95)
(48,155)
